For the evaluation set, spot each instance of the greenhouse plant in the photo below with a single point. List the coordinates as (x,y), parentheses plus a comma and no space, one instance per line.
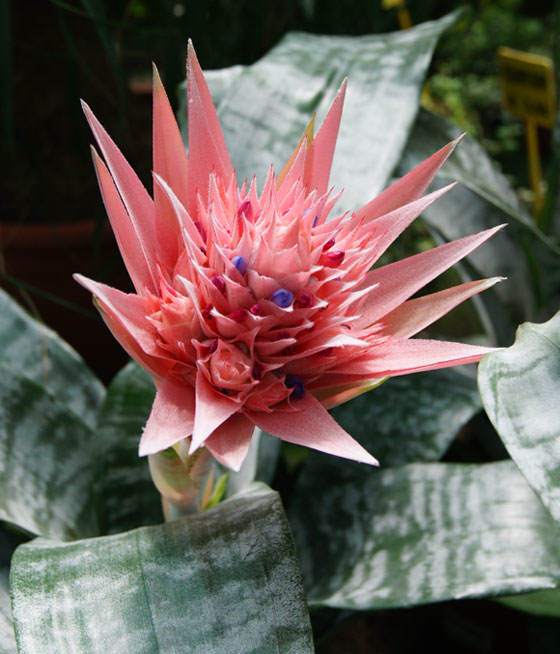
(339,423)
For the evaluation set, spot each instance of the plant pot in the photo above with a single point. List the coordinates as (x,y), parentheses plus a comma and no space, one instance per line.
(36,266)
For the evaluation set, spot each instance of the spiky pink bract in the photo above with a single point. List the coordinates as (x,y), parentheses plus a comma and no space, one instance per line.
(261,309)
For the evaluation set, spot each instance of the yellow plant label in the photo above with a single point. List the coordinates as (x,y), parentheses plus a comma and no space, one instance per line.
(528,89)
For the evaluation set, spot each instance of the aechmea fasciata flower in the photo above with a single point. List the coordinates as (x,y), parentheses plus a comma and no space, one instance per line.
(264,309)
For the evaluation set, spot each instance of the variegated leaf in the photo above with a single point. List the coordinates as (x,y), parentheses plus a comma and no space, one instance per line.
(8,543)
(412,418)
(221,581)
(421,533)
(47,462)
(36,352)
(520,387)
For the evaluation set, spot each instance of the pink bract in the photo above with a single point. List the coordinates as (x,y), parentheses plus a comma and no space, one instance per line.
(262,309)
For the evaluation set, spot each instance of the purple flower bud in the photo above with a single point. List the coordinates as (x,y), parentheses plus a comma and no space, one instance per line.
(282,298)
(240,263)
(296,384)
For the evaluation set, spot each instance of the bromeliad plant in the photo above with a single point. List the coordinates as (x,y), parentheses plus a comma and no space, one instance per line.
(262,310)
(93,566)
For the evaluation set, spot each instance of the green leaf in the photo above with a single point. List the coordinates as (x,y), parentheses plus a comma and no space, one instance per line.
(46,461)
(8,543)
(267,105)
(411,418)
(127,494)
(33,350)
(520,388)
(7,636)
(48,408)
(421,533)
(541,602)
(222,581)
(219,491)
(483,199)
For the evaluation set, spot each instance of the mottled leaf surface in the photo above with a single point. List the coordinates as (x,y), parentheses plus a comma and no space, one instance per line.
(267,105)
(128,497)
(421,533)
(413,417)
(7,636)
(46,461)
(222,581)
(8,543)
(36,352)
(520,387)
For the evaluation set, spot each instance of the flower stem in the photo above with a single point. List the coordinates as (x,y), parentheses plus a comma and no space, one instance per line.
(184,481)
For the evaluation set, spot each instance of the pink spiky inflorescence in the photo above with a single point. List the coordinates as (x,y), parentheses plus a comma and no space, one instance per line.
(263,309)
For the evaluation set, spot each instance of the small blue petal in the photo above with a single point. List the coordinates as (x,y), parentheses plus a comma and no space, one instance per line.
(298,392)
(240,263)
(315,221)
(296,384)
(282,298)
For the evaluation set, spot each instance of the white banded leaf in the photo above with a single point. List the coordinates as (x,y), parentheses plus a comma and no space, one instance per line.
(7,636)
(8,543)
(221,581)
(520,388)
(47,461)
(36,352)
(421,533)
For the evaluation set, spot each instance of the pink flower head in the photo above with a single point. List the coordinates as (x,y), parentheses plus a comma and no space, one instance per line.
(263,309)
